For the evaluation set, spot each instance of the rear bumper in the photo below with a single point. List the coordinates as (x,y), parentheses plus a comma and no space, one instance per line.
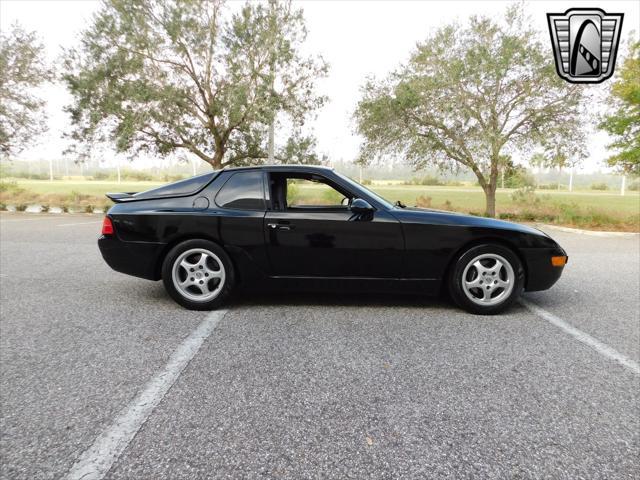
(541,275)
(133,258)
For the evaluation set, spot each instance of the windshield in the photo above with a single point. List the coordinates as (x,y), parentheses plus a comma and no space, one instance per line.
(370,192)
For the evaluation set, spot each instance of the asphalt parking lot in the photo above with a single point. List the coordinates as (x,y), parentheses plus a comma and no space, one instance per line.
(311,386)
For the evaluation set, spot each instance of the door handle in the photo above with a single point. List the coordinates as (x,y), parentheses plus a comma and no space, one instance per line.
(278,226)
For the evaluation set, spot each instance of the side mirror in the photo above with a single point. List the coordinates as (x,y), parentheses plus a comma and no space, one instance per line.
(359,205)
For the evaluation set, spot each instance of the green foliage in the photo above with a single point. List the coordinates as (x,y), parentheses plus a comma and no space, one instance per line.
(332,197)
(10,188)
(22,69)
(599,186)
(549,186)
(517,176)
(525,196)
(136,176)
(30,175)
(426,180)
(293,192)
(623,122)
(160,76)
(466,95)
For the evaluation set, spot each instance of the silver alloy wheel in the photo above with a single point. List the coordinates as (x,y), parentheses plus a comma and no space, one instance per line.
(488,279)
(198,275)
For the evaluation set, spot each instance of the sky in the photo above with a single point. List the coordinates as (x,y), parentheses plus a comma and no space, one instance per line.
(358,39)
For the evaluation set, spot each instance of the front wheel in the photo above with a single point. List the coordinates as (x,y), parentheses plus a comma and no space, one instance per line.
(486,279)
(198,274)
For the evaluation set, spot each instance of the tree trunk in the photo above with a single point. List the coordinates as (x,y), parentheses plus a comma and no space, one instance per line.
(272,131)
(216,161)
(490,198)
(571,180)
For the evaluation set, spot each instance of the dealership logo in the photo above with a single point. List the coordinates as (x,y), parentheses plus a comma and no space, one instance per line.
(585,43)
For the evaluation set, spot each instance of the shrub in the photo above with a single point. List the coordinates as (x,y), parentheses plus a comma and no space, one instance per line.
(75,196)
(101,176)
(424,202)
(21,208)
(30,176)
(44,208)
(172,178)
(65,208)
(11,188)
(447,205)
(3,207)
(367,181)
(525,196)
(426,180)
(599,186)
(517,176)
(634,186)
(88,209)
(135,175)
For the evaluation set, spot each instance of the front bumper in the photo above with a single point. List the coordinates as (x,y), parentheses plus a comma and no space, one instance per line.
(541,274)
(139,259)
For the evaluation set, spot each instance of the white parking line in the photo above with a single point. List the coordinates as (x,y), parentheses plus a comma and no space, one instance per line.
(602,348)
(98,459)
(73,224)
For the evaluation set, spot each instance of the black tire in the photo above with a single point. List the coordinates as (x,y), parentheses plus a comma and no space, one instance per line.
(461,296)
(218,254)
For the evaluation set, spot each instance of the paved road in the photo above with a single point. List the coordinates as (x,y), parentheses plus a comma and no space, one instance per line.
(300,386)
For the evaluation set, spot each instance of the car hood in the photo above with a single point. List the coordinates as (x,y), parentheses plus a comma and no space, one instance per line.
(443,217)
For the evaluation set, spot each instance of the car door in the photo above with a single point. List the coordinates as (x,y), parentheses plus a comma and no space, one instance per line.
(240,206)
(309,232)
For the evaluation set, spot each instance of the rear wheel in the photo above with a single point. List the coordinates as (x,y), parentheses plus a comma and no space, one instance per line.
(486,279)
(198,274)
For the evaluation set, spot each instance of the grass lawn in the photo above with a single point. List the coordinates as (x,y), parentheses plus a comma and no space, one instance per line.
(472,199)
(94,187)
(588,209)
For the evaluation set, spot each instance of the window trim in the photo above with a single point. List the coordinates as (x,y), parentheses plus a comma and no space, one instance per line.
(264,200)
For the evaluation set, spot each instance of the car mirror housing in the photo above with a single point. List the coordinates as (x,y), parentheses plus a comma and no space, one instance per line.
(358,205)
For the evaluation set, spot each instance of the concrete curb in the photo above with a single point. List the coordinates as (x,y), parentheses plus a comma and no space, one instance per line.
(37,209)
(593,233)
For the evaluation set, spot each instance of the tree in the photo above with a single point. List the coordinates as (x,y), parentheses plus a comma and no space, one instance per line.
(161,76)
(623,123)
(469,96)
(22,69)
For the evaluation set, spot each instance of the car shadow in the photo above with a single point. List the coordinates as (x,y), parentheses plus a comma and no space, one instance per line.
(355,299)
(251,297)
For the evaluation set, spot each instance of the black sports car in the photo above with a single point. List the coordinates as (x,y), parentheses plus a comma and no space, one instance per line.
(311,227)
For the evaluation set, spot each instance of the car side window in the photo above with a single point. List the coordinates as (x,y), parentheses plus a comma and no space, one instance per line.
(302,192)
(243,191)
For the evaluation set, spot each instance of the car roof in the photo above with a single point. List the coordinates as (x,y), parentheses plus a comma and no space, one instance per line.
(288,168)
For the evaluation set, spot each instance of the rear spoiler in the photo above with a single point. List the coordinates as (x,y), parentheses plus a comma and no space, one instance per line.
(121,196)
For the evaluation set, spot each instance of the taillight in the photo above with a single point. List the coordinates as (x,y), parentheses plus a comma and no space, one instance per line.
(107,226)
